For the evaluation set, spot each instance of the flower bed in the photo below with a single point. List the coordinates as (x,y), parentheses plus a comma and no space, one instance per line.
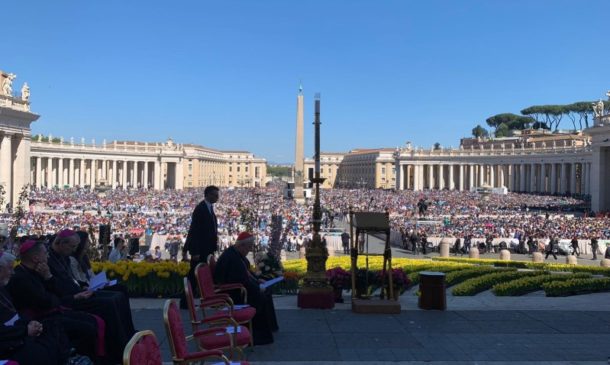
(531,284)
(476,285)
(146,279)
(456,277)
(164,279)
(576,286)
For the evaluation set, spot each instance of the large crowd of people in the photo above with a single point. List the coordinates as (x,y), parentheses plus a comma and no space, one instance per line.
(160,219)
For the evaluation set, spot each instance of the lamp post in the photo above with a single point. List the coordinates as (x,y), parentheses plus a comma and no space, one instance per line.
(315,292)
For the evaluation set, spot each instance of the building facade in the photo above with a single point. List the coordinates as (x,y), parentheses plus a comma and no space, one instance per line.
(53,162)
(367,168)
(329,165)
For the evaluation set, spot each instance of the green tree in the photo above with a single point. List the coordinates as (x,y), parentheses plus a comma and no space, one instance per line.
(479,132)
(502,130)
(437,146)
(512,121)
(279,171)
(549,114)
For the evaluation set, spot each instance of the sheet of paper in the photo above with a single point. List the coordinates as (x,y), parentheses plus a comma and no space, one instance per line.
(112,282)
(11,322)
(236,307)
(231,329)
(98,281)
(268,283)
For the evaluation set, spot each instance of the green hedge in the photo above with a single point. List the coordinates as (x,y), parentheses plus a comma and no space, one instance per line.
(414,276)
(532,283)
(457,277)
(576,286)
(530,265)
(485,282)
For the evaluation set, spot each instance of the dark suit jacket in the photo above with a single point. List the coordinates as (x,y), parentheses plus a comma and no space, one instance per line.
(202,238)
(31,292)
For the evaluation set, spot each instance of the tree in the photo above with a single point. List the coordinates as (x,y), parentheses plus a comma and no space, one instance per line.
(540,125)
(502,130)
(512,121)
(552,114)
(584,110)
(479,132)
(437,146)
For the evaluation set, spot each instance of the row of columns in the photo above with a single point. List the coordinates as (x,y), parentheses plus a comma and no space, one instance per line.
(54,171)
(553,178)
(14,157)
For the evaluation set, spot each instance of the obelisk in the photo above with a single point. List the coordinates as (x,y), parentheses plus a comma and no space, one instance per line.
(298,173)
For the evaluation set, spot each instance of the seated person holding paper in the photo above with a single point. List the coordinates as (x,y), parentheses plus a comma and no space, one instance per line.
(233,267)
(31,289)
(112,306)
(28,342)
(80,266)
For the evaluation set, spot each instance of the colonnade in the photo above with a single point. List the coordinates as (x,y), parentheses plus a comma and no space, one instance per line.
(543,177)
(50,171)
(14,154)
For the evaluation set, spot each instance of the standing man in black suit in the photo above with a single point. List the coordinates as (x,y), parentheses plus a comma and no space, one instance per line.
(202,239)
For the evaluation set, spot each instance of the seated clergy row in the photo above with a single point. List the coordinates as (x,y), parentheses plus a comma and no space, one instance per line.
(47,313)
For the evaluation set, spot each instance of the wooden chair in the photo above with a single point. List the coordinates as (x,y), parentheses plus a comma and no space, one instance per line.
(208,293)
(219,317)
(215,338)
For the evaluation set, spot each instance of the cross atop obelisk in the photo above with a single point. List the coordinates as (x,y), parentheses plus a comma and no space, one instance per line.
(298,173)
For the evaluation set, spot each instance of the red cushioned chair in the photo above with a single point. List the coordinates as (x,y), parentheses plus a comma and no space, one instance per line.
(220,288)
(216,338)
(208,294)
(220,317)
(142,349)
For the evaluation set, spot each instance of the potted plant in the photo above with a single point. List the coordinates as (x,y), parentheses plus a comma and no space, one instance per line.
(400,282)
(365,280)
(338,279)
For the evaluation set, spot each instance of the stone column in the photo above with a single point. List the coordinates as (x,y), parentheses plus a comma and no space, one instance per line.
(587,178)
(124,174)
(60,172)
(71,173)
(553,178)
(179,184)
(532,178)
(492,176)
(400,185)
(564,178)
(573,178)
(157,181)
(461,177)
(38,172)
(133,177)
(470,176)
(113,175)
(21,166)
(481,175)
(81,173)
(522,177)
(49,172)
(145,181)
(6,166)
(451,182)
(441,177)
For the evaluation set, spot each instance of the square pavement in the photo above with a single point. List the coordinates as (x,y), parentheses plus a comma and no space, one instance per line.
(460,336)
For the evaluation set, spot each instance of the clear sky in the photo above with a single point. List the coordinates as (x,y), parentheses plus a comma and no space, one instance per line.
(225,74)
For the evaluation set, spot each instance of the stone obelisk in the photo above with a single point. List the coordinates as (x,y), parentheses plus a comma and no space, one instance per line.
(298,173)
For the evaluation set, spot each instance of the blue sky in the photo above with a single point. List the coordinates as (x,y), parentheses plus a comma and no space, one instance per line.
(225,74)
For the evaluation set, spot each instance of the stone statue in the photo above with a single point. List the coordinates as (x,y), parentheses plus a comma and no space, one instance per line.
(608,95)
(598,108)
(25,92)
(7,86)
